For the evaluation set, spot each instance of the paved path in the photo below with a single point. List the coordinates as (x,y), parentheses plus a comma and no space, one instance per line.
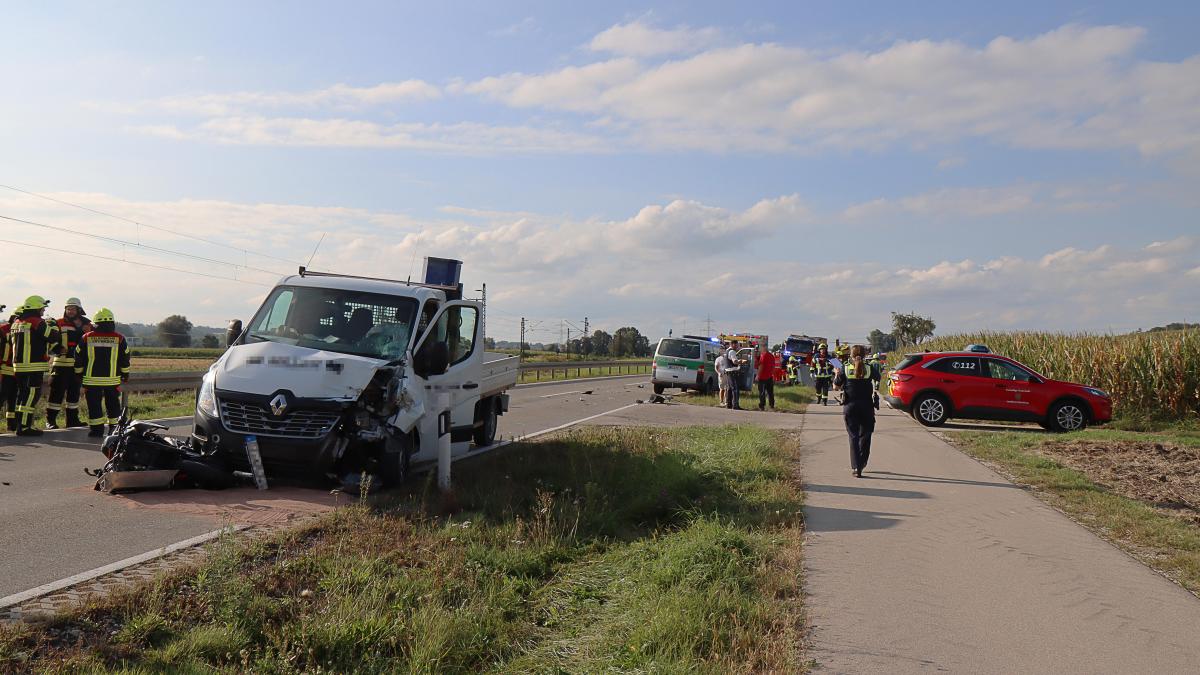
(933,563)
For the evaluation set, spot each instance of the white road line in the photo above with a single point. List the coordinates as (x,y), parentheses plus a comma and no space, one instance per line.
(44,589)
(564,393)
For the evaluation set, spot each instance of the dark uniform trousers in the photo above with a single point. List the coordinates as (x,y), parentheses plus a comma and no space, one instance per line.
(64,384)
(8,399)
(104,405)
(860,424)
(29,390)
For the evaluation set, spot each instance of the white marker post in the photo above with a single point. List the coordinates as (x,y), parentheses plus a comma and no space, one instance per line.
(443,431)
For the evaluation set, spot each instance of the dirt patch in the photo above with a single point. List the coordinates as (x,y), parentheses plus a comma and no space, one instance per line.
(1164,475)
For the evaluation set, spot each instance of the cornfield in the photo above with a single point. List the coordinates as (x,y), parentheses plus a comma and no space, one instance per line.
(1147,374)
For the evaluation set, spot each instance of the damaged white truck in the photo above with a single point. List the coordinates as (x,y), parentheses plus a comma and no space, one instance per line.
(341,376)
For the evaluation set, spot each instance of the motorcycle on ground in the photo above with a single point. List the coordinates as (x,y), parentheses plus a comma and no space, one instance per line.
(140,458)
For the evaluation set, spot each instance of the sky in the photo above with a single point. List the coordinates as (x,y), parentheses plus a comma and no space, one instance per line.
(774,167)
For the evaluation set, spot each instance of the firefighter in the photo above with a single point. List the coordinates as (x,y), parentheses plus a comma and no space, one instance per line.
(33,341)
(793,374)
(64,383)
(8,377)
(822,373)
(102,360)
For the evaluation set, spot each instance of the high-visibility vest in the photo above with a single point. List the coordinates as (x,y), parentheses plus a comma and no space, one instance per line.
(6,364)
(70,332)
(102,359)
(33,340)
(821,368)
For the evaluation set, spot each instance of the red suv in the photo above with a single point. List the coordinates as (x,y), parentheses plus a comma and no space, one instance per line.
(934,387)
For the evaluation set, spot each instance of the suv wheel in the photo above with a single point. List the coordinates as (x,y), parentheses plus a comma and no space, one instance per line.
(1067,416)
(930,410)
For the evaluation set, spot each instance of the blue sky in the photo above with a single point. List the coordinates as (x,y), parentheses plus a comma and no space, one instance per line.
(783,167)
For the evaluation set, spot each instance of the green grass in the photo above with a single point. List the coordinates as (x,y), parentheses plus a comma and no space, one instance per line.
(606,550)
(149,405)
(792,399)
(176,352)
(1162,542)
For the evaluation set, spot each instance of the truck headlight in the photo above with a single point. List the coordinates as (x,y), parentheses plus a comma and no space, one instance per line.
(206,402)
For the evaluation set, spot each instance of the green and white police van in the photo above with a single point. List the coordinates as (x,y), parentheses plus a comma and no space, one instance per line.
(685,363)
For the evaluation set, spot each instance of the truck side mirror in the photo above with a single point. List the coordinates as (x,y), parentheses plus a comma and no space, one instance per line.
(232,332)
(433,358)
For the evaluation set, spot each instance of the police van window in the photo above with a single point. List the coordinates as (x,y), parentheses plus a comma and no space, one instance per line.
(960,365)
(680,349)
(1002,370)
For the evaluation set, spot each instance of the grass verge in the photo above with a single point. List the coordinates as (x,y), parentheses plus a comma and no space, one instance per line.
(146,406)
(790,399)
(641,550)
(1076,474)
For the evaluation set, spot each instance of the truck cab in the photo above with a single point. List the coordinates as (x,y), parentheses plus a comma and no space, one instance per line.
(338,374)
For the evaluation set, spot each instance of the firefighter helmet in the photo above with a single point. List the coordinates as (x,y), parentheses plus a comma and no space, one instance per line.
(76,303)
(34,302)
(105,314)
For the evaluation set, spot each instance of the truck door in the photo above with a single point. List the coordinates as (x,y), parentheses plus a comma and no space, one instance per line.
(458,325)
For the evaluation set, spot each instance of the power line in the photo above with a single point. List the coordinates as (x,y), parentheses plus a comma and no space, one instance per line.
(133,262)
(114,240)
(153,227)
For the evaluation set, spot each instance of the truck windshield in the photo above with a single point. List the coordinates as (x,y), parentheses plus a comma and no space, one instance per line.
(350,322)
(680,349)
(801,346)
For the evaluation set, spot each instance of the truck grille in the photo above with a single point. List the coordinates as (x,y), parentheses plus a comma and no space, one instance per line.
(248,418)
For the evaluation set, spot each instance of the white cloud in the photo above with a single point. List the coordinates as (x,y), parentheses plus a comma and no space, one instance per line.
(338,97)
(461,137)
(983,202)
(613,270)
(1074,87)
(641,40)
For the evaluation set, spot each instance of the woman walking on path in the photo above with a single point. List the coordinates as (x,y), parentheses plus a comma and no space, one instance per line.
(856,379)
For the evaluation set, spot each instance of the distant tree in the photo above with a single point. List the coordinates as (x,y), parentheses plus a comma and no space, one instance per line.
(175,331)
(881,341)
(601,343)
(912,329)
(210,341)
(629,341)
(489,343)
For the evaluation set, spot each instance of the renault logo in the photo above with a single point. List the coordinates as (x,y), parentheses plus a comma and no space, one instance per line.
(279,405)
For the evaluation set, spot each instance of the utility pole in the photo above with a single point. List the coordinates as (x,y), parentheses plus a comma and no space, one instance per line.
(586,329)
(521,345)
(708,325)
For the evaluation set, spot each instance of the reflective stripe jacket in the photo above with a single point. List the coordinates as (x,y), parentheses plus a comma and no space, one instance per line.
(102,358)
(33,340)
(70,333)
(821,368)
(858,383)
(6,366)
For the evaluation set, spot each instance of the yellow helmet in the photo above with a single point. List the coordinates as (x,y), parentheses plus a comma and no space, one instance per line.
(105,314)
(34,302)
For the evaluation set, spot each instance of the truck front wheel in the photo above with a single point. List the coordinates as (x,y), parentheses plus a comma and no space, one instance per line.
(394,462)
(485,433)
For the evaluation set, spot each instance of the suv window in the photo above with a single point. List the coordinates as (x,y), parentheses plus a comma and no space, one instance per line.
(680,349)
(1003,370)
(908,360)
(961,365)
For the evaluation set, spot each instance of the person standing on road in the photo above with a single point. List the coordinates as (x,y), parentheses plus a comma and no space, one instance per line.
(856,379)
(33,341)
(102,361)
(822,372)
(64,384)
(8,376)
(766,378)
(727,372)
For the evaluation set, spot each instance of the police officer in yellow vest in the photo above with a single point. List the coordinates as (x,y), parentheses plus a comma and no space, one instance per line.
(102,360)
(33,341)
(856,379)
(64,383)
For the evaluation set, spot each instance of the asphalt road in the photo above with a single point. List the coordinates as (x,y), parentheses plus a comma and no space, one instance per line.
(53,525)
(934,563)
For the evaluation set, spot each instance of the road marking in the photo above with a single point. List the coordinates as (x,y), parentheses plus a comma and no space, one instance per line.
(564,393)
(45,589)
